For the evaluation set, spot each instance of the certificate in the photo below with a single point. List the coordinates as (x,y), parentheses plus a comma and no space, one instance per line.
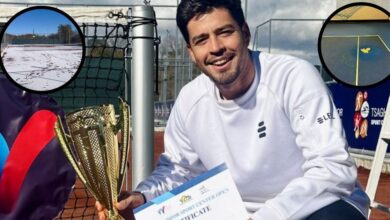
(212,195)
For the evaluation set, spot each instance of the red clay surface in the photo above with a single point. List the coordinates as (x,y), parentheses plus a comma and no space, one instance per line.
(81,206)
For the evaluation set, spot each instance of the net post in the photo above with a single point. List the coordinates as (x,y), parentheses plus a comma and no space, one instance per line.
(142,20)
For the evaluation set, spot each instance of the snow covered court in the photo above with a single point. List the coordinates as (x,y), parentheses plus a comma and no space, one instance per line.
(41,67)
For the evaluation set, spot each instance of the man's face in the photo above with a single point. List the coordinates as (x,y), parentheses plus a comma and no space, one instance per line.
(218,45)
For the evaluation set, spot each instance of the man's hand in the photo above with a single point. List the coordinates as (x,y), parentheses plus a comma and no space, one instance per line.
(127,202)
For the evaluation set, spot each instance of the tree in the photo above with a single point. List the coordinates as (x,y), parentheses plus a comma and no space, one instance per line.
(64,33)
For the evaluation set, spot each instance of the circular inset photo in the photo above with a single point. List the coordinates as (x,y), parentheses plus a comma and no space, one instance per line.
(354,44)
(42,49)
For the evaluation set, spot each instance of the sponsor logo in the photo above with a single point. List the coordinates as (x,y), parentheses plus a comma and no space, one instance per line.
(261,130)
(360,118)
(203,190)
(162,210)
(185,199)
(327,116)
(378,112)
(365,109)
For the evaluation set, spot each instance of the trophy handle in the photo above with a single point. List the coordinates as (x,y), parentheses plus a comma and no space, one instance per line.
(123,125)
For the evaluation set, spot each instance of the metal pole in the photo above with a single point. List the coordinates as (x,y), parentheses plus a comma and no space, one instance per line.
(176,80)
(254,47)
(142,94)
(164,83)
(270,26)
(246,9)
(191,76)
(380,154)
(127,94)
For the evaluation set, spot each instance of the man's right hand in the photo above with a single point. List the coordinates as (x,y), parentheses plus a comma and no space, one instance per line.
(127,202)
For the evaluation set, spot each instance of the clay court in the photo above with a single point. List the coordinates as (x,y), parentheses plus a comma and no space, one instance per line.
(81,205)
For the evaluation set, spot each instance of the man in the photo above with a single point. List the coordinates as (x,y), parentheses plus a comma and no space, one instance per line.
(270,118)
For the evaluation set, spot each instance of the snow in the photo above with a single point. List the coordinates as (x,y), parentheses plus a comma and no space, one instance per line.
(41,68)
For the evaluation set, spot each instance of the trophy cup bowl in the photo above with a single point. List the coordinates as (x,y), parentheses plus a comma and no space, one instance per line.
(92,148)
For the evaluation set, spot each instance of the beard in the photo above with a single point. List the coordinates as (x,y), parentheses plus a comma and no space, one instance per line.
(225,78)
(222,78)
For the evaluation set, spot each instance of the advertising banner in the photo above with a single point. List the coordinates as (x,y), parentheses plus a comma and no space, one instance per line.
(362,111)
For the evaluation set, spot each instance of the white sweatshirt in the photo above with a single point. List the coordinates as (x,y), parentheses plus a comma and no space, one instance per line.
(283,140)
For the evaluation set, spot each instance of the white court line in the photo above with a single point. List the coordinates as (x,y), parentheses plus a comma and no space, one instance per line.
(357,62)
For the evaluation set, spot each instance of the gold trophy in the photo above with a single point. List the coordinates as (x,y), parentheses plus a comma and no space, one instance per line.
(93,150)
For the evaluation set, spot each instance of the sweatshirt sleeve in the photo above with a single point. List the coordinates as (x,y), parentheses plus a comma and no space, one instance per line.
(329,170)
(178,164)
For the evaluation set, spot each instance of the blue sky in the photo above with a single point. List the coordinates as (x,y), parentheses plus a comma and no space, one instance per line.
(41,21)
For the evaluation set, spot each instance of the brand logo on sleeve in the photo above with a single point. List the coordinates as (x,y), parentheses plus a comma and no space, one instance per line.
(327,116)
(261,130)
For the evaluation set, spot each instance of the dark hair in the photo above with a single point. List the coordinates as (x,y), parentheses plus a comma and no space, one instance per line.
(188,9)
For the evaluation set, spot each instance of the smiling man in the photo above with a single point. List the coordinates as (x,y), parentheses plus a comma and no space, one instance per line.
(219,47)
(270,118)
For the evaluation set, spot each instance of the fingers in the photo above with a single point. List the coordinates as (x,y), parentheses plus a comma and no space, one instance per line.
(132,201)
(124,203)
(101,211)
(102,215)
(99,206)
